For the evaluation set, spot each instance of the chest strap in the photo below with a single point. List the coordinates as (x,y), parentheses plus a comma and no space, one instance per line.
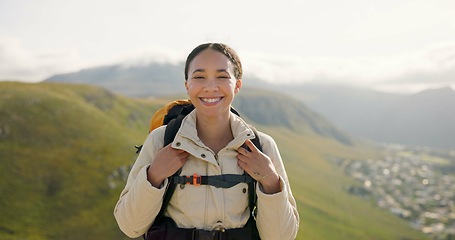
(219,181)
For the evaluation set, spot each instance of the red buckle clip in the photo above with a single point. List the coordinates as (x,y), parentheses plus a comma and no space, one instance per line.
(197,180)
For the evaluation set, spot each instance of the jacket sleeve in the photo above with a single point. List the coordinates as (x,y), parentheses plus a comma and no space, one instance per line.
(277,215)
(139,201)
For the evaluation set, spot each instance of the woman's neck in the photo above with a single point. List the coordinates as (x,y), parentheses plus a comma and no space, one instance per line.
(215,133)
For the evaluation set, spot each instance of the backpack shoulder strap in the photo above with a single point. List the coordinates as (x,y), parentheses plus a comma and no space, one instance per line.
(256,141)
(171,130)
(252,197)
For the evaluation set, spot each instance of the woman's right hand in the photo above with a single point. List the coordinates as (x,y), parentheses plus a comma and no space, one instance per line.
(167,161)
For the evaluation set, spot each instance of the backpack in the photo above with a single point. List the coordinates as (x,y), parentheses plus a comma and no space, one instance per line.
(172,115)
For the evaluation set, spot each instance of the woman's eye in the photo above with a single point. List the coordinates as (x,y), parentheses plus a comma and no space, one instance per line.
(198,77)
(223,77)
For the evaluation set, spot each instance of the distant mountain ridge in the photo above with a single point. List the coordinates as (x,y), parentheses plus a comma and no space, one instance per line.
(152,80)
(133,81)
(424,119)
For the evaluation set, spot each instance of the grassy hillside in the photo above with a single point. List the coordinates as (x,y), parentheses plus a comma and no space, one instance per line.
(58,144)
(64,150)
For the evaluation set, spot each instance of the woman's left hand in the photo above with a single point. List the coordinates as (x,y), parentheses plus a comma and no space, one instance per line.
(260,167)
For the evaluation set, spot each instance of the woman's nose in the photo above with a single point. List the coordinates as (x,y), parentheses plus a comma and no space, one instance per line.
(211,85)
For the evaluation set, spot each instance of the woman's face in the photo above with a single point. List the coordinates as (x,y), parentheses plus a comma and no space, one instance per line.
(211,84)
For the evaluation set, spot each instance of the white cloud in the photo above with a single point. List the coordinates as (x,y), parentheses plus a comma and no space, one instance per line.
(20,64)
(434,66)
(150,54)
(17,63)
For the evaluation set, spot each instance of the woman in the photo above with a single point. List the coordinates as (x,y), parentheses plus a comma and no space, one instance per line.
(209,142)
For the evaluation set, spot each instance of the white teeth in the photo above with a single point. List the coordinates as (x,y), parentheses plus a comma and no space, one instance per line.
(210,100)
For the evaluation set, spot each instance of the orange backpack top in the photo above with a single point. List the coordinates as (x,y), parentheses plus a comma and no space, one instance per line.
(166,113)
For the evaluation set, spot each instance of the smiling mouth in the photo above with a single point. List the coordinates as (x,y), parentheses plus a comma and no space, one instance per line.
(211,100)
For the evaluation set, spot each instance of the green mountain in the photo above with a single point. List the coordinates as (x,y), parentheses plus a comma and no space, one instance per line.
(65,151)
(273,109)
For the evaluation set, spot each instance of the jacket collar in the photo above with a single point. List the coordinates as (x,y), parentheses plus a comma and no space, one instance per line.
(240,130)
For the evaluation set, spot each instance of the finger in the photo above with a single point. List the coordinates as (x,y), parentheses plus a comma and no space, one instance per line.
(184,160)
(242,164)
(183,153)
(251,146)
(242,150)
(242,158)
(178,150)
(183,157)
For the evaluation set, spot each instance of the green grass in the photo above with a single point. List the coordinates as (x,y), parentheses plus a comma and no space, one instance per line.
(59,144)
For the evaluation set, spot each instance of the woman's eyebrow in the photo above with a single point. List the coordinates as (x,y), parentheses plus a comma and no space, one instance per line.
(198,70)
(203,70)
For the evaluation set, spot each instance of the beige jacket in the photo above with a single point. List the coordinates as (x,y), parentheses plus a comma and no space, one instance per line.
(206,207)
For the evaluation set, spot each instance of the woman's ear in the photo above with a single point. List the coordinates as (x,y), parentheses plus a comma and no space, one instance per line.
(186,85)
(238,85)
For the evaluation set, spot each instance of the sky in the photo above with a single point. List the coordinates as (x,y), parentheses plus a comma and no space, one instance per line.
(388,45)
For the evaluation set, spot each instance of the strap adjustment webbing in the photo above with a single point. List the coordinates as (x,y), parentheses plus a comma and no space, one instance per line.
(220,181)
